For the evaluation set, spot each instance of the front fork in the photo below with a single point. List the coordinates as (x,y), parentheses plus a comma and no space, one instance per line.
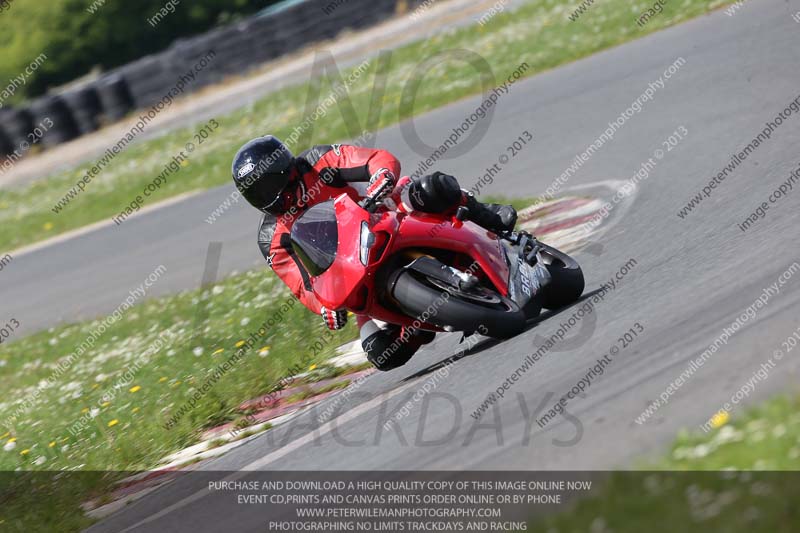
(528,273)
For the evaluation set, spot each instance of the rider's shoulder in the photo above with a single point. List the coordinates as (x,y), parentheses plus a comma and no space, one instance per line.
(266,231)
(315,153)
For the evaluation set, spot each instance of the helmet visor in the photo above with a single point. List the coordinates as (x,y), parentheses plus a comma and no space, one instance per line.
(266,190)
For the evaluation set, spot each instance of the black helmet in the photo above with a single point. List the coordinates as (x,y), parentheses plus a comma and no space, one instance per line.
(262,170)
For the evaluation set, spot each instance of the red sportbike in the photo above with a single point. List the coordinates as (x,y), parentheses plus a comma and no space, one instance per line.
(429,271)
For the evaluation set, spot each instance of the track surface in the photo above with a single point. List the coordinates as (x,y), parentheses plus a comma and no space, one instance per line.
(693,278)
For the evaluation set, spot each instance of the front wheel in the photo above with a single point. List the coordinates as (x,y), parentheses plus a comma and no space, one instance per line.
(475,310)
(567,283)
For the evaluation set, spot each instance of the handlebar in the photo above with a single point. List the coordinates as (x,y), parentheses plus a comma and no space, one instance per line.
(369,205)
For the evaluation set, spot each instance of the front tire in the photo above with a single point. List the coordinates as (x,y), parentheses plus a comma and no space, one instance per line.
(567,282)
(479,310)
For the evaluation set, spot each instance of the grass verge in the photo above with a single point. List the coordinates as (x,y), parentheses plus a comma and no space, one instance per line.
(109,413)
(731,479)
(538,34)
(118,406)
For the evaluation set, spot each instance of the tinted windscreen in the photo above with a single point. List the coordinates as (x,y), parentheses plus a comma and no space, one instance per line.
(315,238)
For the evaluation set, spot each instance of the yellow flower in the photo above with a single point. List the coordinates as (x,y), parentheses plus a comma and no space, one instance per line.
(25,452)
(177,383)
(48,226)
(113,423)
(312,367)
(52,444)
(719,419)
(85,410)
(218,351)
(6,435)
(105,404)
(162,380)
(135,410)
(12,439)
(185,163)
(135,388)
(240,344)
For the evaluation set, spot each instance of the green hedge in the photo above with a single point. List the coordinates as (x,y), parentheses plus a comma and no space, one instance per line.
(75,40)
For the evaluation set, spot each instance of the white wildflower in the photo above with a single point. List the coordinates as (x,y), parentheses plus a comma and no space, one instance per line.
(700,451)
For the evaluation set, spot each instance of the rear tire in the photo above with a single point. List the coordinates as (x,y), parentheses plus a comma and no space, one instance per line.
(567,282)
(480,310)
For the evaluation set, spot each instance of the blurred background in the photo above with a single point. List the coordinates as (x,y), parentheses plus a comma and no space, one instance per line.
(89,62)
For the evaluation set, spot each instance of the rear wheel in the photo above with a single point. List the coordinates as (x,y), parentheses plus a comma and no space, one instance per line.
(567,282)
(476,310)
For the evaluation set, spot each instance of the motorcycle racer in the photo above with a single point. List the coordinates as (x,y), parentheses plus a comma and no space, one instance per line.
(283,186)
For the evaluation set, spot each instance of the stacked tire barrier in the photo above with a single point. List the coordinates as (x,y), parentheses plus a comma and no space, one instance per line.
(63,129)
(86,108)
(17,123)
(238,48)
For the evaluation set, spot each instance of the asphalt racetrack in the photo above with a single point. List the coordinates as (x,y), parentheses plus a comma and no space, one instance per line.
(693,276)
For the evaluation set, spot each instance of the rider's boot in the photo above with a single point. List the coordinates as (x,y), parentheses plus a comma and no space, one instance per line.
(494,217)
(392,346)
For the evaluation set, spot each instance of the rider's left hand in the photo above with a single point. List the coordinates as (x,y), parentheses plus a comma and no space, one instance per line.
(381,185)
(334,319)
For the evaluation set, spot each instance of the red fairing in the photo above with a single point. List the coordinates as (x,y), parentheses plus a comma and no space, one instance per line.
(349,283)
(345,157)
